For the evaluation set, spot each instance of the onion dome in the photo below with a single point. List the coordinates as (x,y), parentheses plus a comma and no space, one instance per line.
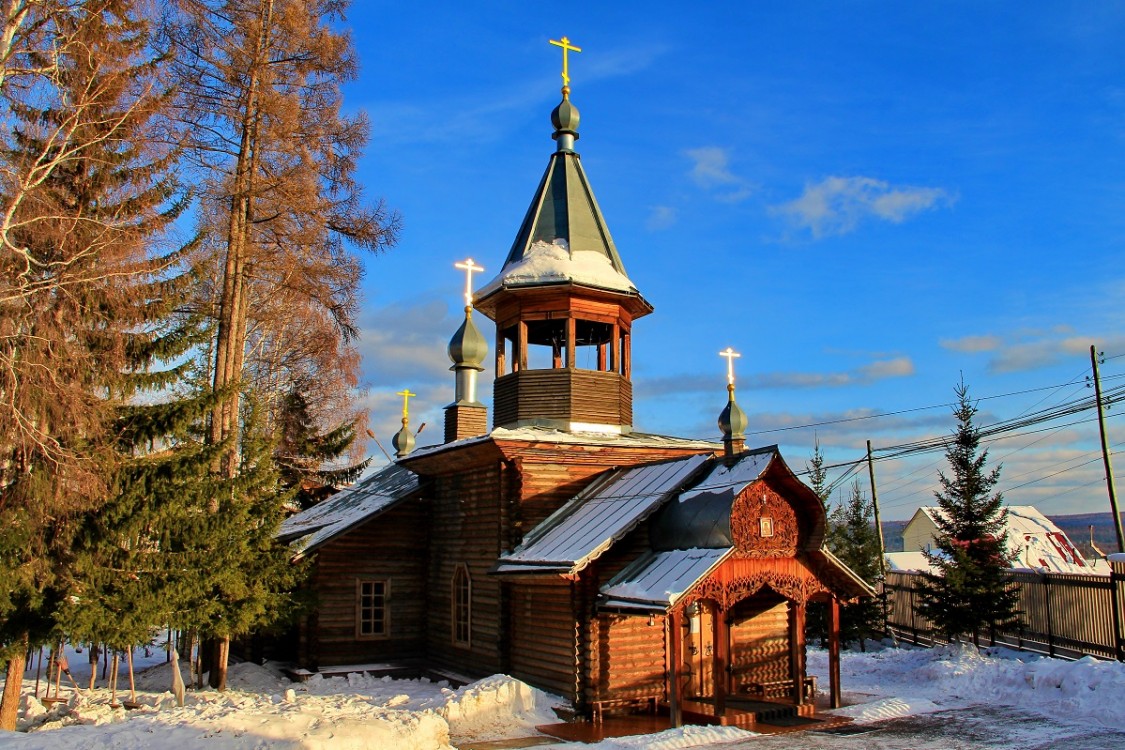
(403,441)
(565,119)
(732,420)
(468,348)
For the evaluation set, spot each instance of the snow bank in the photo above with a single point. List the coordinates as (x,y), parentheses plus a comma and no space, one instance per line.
(497,707)
(890,682)
(674,739)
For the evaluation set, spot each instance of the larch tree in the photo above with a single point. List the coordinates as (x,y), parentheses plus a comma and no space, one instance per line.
(84,188)
(968,589)
(281,211)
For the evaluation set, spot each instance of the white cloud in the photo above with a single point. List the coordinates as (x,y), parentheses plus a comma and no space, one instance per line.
(836,205)
(1032,349)
(710,170)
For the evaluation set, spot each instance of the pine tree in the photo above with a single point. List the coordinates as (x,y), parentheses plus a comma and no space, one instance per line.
(969,589)
(852,538)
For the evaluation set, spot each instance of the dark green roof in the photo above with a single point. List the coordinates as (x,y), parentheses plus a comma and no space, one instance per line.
(564,208)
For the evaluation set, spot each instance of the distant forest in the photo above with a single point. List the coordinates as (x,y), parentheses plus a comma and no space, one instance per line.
(1075,526)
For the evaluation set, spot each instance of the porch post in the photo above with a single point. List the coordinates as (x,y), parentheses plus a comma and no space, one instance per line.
(797,651)
(834,652)
(720,642)
(675,644)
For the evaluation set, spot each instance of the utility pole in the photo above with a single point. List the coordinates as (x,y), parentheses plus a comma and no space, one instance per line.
(1106,453)
(875,505)
(879,531)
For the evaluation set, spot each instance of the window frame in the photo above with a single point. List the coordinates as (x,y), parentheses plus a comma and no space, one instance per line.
(385,631)
(461,612)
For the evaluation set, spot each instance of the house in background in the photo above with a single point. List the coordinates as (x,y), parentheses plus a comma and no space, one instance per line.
(564,547)
(1038,544)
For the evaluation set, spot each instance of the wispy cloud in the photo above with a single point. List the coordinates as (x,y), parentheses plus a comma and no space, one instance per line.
(660,217)
(710,170)
(837,205)
(973,344)
(1034,349)
(882,369)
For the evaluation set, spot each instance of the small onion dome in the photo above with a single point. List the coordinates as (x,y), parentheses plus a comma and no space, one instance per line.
(468,348)
(565,119)
(732,420)
(403,441)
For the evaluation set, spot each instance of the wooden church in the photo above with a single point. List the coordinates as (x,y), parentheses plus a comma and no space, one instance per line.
(608,566)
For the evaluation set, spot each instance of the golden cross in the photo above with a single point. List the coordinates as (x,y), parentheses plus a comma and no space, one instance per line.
(469,267)
(406,394)
(566,47)
(730,355)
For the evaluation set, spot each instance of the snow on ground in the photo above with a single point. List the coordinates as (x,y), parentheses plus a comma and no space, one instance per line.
(261,709)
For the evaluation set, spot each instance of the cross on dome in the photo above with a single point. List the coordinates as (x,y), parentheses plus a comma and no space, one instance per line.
(730,355)
(566,46)
(469,267)
(406,394)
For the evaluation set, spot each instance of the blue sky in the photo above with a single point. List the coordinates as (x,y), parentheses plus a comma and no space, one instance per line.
(867,200)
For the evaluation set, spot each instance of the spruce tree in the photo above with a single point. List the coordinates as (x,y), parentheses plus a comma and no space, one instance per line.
(852,538)
(307,456)
(818,475)
(968,589)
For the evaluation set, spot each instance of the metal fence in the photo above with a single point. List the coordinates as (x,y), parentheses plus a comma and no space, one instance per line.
(1061,614)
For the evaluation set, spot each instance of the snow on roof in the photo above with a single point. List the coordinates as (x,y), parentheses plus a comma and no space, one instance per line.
(908,561)
(311,528)
(539,434)
(734,478)
(1036,541)
(554,262)
(610,507)
(659,579)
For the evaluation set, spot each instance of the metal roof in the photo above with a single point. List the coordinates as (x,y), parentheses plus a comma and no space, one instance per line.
(563,216)
(657,580)
(309,529)
(610,507)
(701,516)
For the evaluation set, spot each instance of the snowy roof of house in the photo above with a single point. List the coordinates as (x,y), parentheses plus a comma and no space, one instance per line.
(657,580)
(605,511)
(1035,540)
(907,561)
(311,528)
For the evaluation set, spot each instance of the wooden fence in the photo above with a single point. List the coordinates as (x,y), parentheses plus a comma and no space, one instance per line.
(1061,614)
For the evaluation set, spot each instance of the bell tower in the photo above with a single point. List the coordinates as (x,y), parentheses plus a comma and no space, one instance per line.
(563,305)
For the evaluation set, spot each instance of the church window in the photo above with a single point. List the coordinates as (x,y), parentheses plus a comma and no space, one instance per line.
(462,605)
(372,619)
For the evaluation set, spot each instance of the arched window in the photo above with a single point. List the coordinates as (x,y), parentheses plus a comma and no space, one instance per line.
(462,600)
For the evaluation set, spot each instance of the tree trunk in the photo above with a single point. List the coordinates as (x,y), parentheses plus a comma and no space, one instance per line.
(13,685)
(219,658)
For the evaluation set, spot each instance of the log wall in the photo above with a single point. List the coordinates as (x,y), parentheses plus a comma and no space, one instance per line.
(391,547)
(759,635)
(562,395)
(544,636)
(466,529)
(630,658)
